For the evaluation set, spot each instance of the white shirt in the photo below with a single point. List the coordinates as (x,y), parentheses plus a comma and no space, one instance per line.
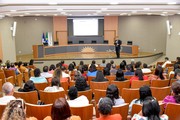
(53,89)
(167,62)
(146,70)
(4,100)
(79,101)
(65,75)
(119,101)
(46,75)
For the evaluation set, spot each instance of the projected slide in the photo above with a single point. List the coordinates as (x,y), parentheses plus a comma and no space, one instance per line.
(85,27)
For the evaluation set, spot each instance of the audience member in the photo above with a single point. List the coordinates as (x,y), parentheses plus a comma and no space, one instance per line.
(139,76)
(74,100)
(63,64)
(81,65)
(37,78)
(129,70)
(104,107)
(92,70)
(8,90)
(167,61)
(120,75)
(150,111)
(71,67)
(103,64)
(94,63)
(15,110)
(113,93)
(28,86)
(177,75)
(108,65)
(57,73)
(83,73)
(81,84)
(21,68)
(61,111)
(106,71)
(64,74)
(145,68)
(158,74)
(175,95)
(124,62)
(113,70)
(12,67)
(122,66)
(176,66)
(144,92)
(52,68)
(45,72)
(55,86)
(112,62)
(177,60)
(138,65)
(99,77)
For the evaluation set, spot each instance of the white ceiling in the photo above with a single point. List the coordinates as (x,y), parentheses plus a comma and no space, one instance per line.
(88,7)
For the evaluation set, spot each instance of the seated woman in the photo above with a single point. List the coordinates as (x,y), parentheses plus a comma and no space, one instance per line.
(150,111)
(15,110)
(61,111)
(113,93)
(158,74)
(176,67)
(28,86)
(120,76)
(99,77)
(144,92)
(139,75)
(104,107)
(55,86)
(51,68)
(37,78)
(106,71)
(92,70)
(81,84)
(175,95)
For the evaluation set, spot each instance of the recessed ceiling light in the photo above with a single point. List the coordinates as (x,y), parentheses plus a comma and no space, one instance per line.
(107,14)
(164,12)
(123,14)
(44,15)
(114,3)
(171,3)
(129,14)
(146,8)
(26,13)
(88,14)
(99,11)
(59,9)
(55,14)
(37,14)
(95,14)
(13,10)
(21,15)
(52,3)
(63,12)
(178,13)
(70,14)
(134,11)
(149,13)
(8,14)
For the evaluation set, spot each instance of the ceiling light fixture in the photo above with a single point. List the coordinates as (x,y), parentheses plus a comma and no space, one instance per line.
(146,8)
(55,14)
(149,13)
(107,14)
(103,8)
(21,15)
(114,3)
(164,12)
(13,10)
(59,9)
(171,3)
(52,3)
(37,14)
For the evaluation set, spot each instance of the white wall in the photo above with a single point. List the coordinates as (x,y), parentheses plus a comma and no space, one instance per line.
(8,43)
(173,40)
(148,32)
(29,32)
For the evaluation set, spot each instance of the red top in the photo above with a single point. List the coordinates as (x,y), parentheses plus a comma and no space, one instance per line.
(110,117)
(137,78)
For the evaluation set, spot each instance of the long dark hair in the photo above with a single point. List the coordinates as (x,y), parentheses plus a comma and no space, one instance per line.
(159,72)
(99,76)
(176,91)
(120,75)
(144,92)
(151,109)
(112,92)
(139,74)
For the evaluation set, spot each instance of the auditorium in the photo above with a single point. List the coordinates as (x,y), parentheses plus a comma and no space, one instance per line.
(90,59)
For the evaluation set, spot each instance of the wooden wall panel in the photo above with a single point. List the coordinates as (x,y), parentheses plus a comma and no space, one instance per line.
(110,24)
(1,50)
(60,29)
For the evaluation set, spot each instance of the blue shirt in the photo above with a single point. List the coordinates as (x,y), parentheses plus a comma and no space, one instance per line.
(92,73)
(38,79)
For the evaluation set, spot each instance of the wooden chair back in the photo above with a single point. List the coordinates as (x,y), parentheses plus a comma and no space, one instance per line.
(159,63)
(87,93)
(128,77)
(121,109)
(139,83)
(2,107)
(99,94)
(111,78)
(121,85)
(40,86)
(72,83)
(149,73)
(160,92)
(50,97)
(89,78)
(1,93)
(65,85)
(28,97)
(129,94)
(26,76)
(9,73)
(38,111)
(99,85)
(10,79)
(172,111)
(3,77)
(169,65)
(85,112)
(19,80)
(159,83)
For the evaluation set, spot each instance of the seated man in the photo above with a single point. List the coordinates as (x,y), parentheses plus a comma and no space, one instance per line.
(45,72)
(76,101)
(104,107)
(8,90)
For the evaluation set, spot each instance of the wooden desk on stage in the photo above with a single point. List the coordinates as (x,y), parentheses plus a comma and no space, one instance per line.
(39,51)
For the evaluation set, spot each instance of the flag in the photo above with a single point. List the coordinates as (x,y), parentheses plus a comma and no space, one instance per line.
(43,38)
